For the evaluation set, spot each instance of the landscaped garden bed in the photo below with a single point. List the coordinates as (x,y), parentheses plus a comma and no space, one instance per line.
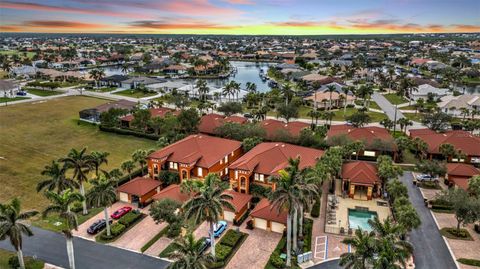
(471,262)
(120,227)
(453,233)
(10,260)
(226,248)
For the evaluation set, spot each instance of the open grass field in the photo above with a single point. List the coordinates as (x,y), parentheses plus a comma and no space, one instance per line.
(20,53)
(34,134)
(43,93)
(135,93)
(17,98)
(395,99)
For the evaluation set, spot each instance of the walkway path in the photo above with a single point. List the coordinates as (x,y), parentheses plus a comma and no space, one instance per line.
(50,247)
(386,106)
(430,250)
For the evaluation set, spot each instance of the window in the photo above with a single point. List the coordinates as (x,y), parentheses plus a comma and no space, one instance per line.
(170,165)
(226,159)
(175,166)
(200,172)
(259,177)
(226,170)
(236,174)
(232,153)
(256,177)
(262,179)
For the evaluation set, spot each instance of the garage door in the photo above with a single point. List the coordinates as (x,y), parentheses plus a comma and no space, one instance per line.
(124,197)
(260,223)
(277,227)
(228,216)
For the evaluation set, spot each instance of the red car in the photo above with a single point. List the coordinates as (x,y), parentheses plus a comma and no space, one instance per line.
(120,212)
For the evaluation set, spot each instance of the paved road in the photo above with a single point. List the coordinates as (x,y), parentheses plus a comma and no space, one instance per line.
(327,265)
(430,249)
(51,248)
(386,106)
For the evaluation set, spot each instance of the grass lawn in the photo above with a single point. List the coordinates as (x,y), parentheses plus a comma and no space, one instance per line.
(105,89)
(30,263)
(135,93)
(414,117)
(407,108)
(20,53)
(43,131)
(52,221)
(43,93)
(395,99)
(375,116)
(6,99)
(373,104)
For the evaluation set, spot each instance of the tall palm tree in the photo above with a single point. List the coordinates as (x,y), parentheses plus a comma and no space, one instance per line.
(128,166)
(188,254)
(251,87)
(81,163)
(330,89)
(60,204)
(56,178)
(140,156)
(102,194)
(387,228)
(99,158)
(202,89)
(364,245)
(12,225)
(392,253)
(208,204)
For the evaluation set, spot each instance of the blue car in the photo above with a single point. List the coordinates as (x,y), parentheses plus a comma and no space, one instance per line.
(205,244)
(21,93)
(219,228)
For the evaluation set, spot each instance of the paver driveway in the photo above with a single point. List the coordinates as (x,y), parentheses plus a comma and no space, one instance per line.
(139,235)
(82,228)
(255,250)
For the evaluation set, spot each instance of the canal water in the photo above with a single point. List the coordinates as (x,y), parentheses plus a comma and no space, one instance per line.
(245,72)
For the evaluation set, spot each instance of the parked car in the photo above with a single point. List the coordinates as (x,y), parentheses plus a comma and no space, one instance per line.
(121,212)
(425,177)
(205,244)
(21,93)
(97,226)
(219,228)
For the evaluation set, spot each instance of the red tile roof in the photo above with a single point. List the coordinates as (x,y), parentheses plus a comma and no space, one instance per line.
(366,134)
(360,172)
(201,150)
(264,210)
(275,127)
(461,182)
(172,192)
(461,140)
(269,158)
(154,112)
(239,201)
(462,169)
(139,186)
(210,122)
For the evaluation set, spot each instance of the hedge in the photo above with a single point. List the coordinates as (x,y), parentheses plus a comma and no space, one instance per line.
(130,218)
(134,174)
(222,252)
(231,238)
(275,260)
(453,233)
(315,213)
(116,229)
(471,262)
(128,132)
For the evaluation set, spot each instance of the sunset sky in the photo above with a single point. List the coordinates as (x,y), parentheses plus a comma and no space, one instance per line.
(278,17)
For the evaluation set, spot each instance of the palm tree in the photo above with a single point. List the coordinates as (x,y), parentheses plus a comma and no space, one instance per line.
(187,254)
(208,204)
(330,89)
(287,92)
(315,114)
(386,229)
(102,194)
(56,178)
(364,245)
(12,225)
(202,89)
(99,158)
(81,164)
(140,157)
(251,87)
(128,166)
(60,204)
(392,253)
(125,68)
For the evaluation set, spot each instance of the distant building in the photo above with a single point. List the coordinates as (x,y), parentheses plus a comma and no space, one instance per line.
(93,114)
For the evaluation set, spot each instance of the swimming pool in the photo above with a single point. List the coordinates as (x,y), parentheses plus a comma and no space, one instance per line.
(359,218)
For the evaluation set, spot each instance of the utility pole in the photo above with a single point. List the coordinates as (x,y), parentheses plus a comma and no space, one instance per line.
(395,121)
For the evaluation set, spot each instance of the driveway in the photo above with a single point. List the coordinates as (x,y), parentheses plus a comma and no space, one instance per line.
(430,250)
(50,247)
(82,228)
(135,238)
(386,106)
(255,250)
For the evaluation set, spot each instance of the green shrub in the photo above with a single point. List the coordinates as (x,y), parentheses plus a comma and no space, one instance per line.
(130,218)
(174,230)
(471,262)
(128,132)
(231,238)
(222,252)
(276,260)
(453,233)
(76,207)
(30,263)
(116,229)
(315,213)
(216,265)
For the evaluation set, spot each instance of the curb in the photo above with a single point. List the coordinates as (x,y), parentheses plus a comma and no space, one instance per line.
(446,241)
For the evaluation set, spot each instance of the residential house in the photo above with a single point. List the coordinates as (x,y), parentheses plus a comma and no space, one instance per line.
(139,190)
(240,203)
(195,157)
(8,88)
(210,122)
(377,140)
(160,112)
(264,161)
(172,192)
(360,180)
(424,91)
(134,82)
(93,114)
(458,174)
(463,141)
(275,129)
(455,106)
(112,81)
(267,217)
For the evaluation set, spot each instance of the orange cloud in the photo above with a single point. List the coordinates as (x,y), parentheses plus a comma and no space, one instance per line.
(62,24)
(197,7)
(42,7)
(9,28)
(329,24)
(178,24)
(466,28)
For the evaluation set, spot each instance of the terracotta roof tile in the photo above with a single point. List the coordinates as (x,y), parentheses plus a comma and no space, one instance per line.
(172,192)
(461,140)
(239,201)
(462,169)
(274,127)
(139,186)
(264,210)
(360,172)
(210,122)
(154,112)
(366,134)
